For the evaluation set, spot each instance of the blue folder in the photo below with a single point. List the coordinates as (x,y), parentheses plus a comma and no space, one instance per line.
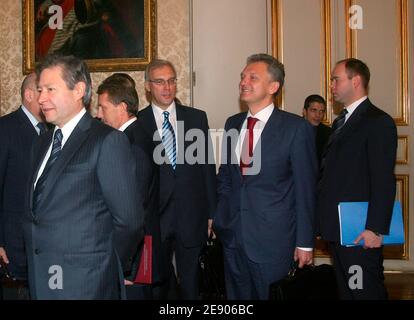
(353,217)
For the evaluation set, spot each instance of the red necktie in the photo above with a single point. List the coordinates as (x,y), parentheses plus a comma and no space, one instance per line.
(247,147)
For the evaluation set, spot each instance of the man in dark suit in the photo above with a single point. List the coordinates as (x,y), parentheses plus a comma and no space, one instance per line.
(314,110)
(358,165)
(187,188)
(85,220)
(117,107)
(18,130)
(266,186)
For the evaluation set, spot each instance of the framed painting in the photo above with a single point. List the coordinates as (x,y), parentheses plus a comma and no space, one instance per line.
(110,35)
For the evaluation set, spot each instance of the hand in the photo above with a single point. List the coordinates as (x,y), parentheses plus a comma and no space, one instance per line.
(3,255)
(371,240)
(210,229)
(128,283)
(304,257)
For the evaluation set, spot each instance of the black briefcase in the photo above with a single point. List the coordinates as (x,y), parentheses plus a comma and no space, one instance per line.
(308,283)
(11,288)
(211,271)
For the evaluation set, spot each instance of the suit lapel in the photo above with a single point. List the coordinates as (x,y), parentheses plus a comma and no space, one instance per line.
(354,120)
(75,141)
(269,131)
(233,156)
(167,175)
(44,143)
(26,125)
(264,145)
(149,124)
(182,128)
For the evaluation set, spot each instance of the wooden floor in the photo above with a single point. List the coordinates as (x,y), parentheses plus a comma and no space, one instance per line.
(400,286)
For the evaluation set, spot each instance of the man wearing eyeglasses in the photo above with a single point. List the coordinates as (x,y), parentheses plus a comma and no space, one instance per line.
(187,191)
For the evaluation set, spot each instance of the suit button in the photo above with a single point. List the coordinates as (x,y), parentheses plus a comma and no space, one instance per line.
(37,251)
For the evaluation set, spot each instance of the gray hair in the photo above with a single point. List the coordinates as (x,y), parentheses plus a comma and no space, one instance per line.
(158,63)
(74,70)
(275,68)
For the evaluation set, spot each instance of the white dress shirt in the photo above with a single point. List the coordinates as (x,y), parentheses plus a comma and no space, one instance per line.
(67,130)
(32,119)
(351,108)
(263,117)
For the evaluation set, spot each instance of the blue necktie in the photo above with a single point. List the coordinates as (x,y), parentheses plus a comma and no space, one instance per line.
(41,182)
(168,140)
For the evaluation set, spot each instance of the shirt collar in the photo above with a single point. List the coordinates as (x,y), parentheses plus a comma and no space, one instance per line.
(264,114)
(351,108)
(159,111)
(127,124)
(68,128)
(31,117)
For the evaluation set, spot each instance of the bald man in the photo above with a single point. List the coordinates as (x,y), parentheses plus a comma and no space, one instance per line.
(17,132)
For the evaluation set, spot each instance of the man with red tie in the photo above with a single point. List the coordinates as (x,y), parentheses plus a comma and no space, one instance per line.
(266,186)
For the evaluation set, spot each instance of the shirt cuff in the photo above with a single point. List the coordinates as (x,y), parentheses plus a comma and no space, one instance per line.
(305,249)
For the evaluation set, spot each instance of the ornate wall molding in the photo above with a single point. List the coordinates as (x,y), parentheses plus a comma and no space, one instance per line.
(403,141)
(402,27)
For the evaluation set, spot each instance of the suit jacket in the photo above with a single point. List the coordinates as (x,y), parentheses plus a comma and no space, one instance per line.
(359,166)
(323,133)
(187,195)
(16,137)
(130,132)
(272,212)
(88,221)
(148,179)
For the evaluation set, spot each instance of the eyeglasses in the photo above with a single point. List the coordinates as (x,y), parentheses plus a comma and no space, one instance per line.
(162,82)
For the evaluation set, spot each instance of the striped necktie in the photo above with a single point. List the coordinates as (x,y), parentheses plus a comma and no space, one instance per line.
(337,125)
(168,139)
(41,182)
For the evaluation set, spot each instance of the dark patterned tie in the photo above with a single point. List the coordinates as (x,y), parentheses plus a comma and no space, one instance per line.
(168,139)
(337,125)
(42,128)
(339,121)
(41,182)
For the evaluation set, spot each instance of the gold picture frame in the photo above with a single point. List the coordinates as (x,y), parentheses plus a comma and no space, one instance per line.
(111,30)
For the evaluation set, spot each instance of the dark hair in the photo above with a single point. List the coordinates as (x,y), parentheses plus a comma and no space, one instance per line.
(313,98)
(74,70)
(120,87)
(274,67)
(357,67)
(158,63)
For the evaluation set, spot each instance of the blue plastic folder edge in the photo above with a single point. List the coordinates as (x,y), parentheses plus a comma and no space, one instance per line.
(353,217)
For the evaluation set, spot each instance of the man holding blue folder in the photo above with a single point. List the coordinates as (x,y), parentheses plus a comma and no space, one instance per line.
(358,166)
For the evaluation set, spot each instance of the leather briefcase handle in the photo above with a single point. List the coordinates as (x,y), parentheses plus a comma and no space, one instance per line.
(295,266)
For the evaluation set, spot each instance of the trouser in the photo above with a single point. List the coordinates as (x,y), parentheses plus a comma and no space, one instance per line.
(359,272)
(248,280)
(187,281)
